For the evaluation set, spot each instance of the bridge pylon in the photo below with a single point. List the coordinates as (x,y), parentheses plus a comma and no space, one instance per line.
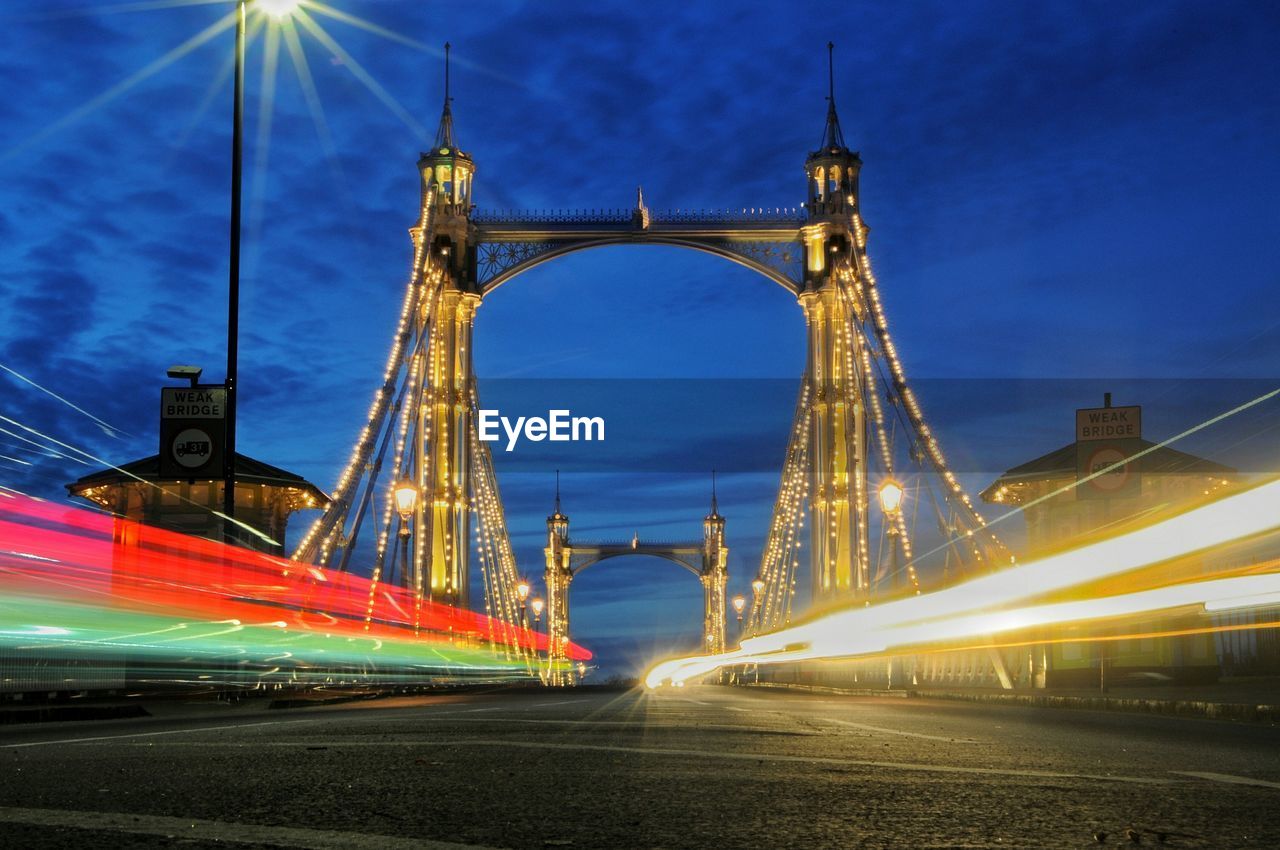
(837,424)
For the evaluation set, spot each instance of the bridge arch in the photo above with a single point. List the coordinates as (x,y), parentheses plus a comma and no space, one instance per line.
(592,560)
(778,263)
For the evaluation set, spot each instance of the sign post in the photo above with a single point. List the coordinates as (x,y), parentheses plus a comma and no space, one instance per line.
(1106,436)
(193,426)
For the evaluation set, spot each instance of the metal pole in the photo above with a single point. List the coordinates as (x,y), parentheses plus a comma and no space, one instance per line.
(233,288)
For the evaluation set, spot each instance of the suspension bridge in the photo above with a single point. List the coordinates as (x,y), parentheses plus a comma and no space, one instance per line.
(423,485)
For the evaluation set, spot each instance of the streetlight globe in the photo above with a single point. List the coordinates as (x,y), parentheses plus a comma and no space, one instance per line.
(536,605)
(739,603)
(757,586)
(523,590)
(890,496)
(406,496)
(278,8)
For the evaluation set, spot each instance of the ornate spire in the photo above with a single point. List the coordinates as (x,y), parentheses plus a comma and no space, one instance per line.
(444,135)
(714,517)
(832,137)
(557,492)
(640,215)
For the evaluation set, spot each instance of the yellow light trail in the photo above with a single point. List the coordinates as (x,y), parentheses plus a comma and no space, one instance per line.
(976,607)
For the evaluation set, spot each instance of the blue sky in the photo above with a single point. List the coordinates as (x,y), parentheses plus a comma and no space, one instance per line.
(1055,191)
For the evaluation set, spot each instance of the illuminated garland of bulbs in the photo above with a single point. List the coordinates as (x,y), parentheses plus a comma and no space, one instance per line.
(862,277)
(340,500)
(854,328)
(772,606)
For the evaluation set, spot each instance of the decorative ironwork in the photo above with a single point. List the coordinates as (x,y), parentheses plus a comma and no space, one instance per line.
(746,215)
(551,216)
(785,258)
(494,258)
(687,555)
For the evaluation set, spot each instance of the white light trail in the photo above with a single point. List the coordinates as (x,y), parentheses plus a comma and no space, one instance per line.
(978,607)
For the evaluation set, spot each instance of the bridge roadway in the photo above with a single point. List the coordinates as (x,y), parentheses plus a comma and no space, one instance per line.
(690,768)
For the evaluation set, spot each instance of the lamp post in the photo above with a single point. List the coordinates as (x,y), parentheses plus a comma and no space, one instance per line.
(522,591)
(278,9)
(537,604)
(406,498)
(891,506)
(739,603)
(757,594)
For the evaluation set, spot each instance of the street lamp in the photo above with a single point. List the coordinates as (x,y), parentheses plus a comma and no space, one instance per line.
(739,602)
(891,504)
(536,604)
(890,497)
(277,9)
(522,590)
(406,496)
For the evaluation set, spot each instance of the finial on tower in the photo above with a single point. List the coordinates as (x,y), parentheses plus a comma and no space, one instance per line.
(640,215)
(713,492)
(831,71)
(832,136)
(557,491)
(444,135)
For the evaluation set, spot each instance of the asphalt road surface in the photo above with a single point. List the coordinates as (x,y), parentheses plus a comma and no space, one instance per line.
(688,768)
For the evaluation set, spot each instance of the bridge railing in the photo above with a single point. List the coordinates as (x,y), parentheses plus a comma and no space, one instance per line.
(746,215)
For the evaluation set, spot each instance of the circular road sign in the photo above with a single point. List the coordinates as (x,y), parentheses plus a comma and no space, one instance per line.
(1100,460)
(192,448)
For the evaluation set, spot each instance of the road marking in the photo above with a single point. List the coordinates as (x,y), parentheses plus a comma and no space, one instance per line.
(688,753)
(192,829)
(905,734)
(640,724)
(1228,778)
(97,738)
(561,702)
(898,765)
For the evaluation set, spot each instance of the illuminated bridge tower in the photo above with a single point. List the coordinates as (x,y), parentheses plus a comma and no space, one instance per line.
(558,576)
(442,454)
(837,436)
(714,577)
(708,559)
(419,475)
